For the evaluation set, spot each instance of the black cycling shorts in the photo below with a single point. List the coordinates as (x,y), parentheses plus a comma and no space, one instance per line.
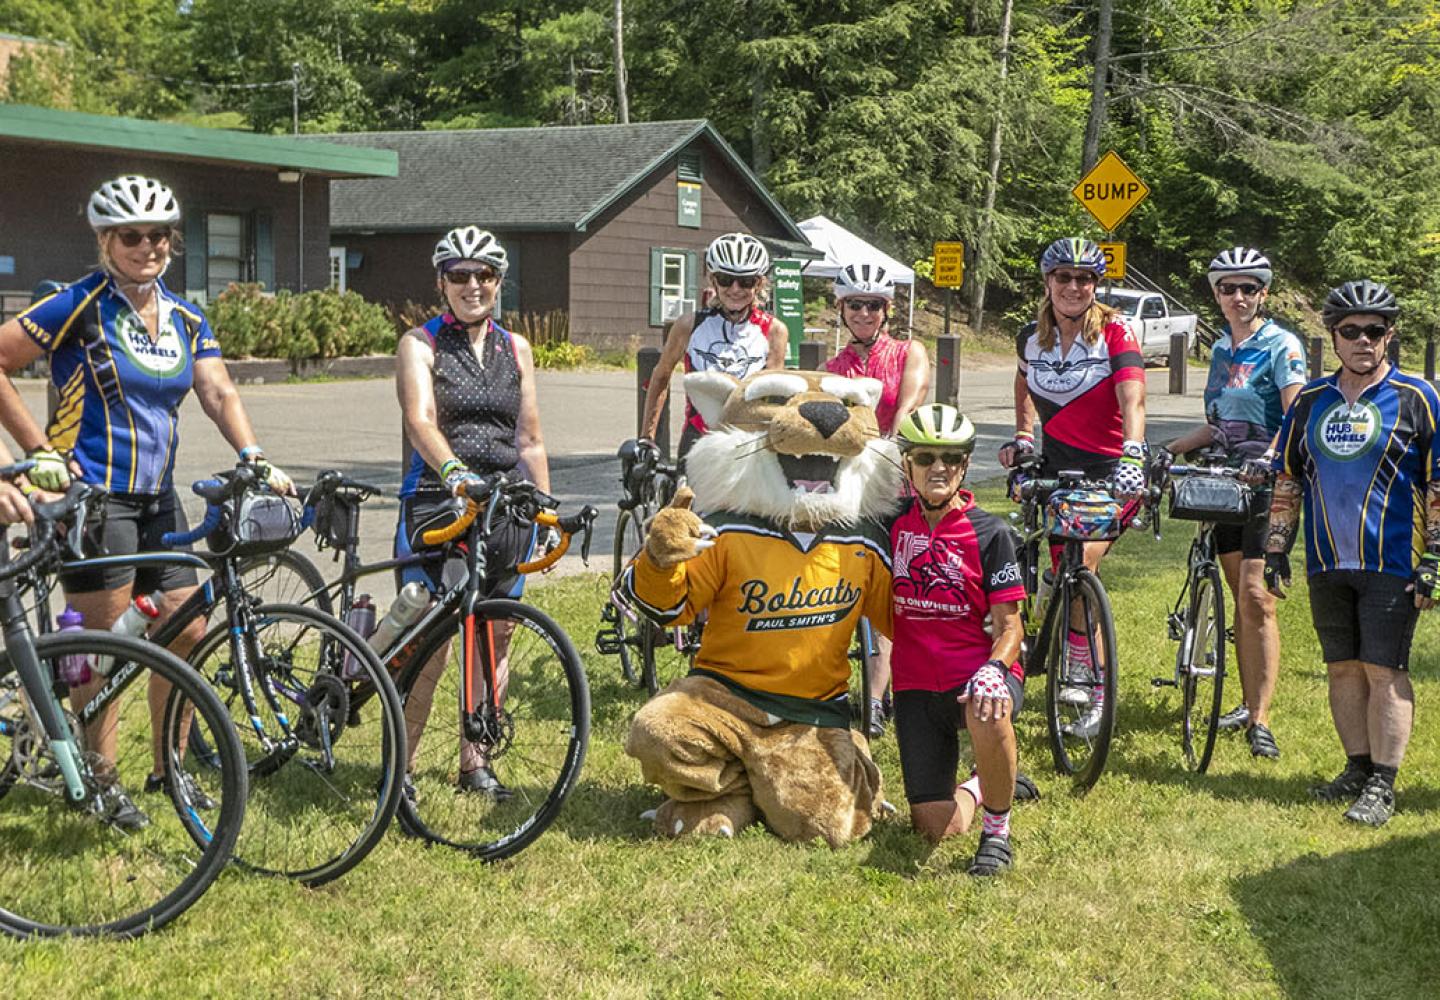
(1249,538)
(927,729)
(133,523)
(510,542)
(1363,616)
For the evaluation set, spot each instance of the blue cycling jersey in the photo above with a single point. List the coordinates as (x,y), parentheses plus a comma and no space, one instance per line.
(1242,395)
(119,391)
(1364,470)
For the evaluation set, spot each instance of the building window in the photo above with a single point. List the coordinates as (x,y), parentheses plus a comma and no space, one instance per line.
(229,252)
(337,268)
(674,277)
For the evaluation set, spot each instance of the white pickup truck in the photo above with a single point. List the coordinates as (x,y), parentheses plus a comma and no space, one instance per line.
(1151,319)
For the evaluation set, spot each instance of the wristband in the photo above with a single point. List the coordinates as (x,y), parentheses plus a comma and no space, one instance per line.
(1133,450)
(1024,436)
(451,465)
(997,663)
(251,452)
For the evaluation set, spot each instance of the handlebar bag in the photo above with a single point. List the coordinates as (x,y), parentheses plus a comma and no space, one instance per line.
(255,523)
(1217,499)
(1085,515)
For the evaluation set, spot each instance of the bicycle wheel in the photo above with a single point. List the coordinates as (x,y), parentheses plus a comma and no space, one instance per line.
(325,778)
(1200,669)
(667,653)
(1080,733)
(629,539)
(535,747)
(73,870)
(285,577)
(860,652)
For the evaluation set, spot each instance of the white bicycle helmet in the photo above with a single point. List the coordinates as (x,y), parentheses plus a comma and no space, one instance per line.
(471,243)
(864,279)
(737,253)
(1240,262)
(132,200)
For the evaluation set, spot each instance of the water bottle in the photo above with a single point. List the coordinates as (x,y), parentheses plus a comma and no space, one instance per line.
(1047,584)
(75,668)
(361,617)
(138,617)
(409,605)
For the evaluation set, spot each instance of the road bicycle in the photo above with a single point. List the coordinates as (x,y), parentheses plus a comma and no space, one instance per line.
(1211,493)
(324,783)
(1070,626)
(73,857)
(651,656)
(518,696)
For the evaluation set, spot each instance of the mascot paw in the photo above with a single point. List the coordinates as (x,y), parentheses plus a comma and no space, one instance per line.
(722,817)
(676,533)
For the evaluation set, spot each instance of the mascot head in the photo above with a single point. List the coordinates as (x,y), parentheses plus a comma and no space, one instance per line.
(799,448)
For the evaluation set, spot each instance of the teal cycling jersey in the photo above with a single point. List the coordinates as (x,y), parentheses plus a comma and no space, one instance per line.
(1363,470)
(1242,394)
(119,391)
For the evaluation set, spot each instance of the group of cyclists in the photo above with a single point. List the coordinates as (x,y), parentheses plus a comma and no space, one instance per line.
(1354,450)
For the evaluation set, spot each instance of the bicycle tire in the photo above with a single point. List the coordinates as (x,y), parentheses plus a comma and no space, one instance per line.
(1080,755)
(541,749)
(629,538)
(285,577)
(313,815)
(666,653)
(126,866)
(864,643)
(1201,659)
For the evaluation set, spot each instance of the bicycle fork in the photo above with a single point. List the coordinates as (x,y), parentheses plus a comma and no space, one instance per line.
(40,703)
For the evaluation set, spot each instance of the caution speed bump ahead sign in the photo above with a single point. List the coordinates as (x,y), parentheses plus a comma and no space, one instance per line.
(1110,191)
(949,265)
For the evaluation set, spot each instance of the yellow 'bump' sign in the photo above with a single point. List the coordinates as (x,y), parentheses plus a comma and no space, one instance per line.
(1110,191)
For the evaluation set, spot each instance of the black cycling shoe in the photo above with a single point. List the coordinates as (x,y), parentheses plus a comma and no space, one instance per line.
(1262,741)
(993,856)
(1237,718)
(1025,790)
(878,715)
(483,780)
(1345,785)
(407,790)
(1375,805)
(189,791)
(114,806)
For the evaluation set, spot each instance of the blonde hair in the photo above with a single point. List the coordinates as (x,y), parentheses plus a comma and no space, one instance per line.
(104,236)
(1096,318)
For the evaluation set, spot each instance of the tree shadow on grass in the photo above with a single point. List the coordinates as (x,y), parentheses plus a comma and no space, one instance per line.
(896,848)
(1356,924)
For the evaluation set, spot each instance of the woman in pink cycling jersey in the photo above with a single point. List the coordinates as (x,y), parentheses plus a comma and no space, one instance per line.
(953,564)
(863,294)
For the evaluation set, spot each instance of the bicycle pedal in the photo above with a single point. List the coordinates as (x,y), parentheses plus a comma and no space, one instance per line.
(1163,682)
(608,642)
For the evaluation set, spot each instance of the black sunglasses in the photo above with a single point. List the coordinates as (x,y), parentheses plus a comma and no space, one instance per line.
(1081,278)
(1244,288)
(133,237)
(462,276)
(1370,331)
(745,280)
(925,459)
(869,305)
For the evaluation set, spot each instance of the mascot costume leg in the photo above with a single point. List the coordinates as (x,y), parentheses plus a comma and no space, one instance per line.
(787,560)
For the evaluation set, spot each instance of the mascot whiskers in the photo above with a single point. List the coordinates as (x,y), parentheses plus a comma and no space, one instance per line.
(788,558)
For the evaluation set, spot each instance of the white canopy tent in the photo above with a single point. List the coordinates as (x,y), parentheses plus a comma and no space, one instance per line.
(841,247)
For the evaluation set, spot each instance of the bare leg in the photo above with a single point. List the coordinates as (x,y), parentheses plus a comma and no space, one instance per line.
(168,603)
(418,701)
(1349,705)
(879,665)
(1257,633)
(995,759)
(1391,713)
(949,818)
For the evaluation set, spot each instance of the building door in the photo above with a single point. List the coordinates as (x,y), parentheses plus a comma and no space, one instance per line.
(337,269)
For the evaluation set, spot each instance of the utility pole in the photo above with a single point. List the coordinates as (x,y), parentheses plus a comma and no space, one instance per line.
(295,97)
(1095,123)
(622,100)
(987,218)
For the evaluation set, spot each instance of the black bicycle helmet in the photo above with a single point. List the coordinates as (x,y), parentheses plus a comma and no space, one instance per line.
(1359,297)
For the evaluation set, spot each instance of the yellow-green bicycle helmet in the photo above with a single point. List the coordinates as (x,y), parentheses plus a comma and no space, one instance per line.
(936,425)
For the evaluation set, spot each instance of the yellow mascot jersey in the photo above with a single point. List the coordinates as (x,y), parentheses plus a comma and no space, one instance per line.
(782,610)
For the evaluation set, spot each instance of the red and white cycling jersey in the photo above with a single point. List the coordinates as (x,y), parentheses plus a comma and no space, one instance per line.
(944,581)
(1074,394)
(738,349)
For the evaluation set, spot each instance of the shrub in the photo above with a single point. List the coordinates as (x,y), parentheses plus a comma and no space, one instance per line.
(560,355)
(317,324)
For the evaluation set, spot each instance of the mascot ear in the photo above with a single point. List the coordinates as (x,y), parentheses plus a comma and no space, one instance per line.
(708,391)
(870,390)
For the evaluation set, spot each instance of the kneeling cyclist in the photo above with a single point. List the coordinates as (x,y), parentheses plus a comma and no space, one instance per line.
(953,564)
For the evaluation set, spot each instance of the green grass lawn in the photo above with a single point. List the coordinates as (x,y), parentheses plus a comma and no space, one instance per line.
(1156,884)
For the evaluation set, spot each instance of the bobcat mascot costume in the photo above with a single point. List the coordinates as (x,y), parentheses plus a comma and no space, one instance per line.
(785,563)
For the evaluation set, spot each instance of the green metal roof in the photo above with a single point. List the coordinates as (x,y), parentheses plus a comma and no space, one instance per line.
(73,128)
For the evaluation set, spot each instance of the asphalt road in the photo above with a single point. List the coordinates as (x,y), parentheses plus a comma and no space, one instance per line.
(355,426)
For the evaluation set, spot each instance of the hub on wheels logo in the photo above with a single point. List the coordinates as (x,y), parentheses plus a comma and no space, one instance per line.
(163,357)
(1346,432)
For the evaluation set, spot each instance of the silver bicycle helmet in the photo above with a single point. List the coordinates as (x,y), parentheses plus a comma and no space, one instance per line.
(864,279)
(1240,262)
(132,200)
(737,253)
(470,243)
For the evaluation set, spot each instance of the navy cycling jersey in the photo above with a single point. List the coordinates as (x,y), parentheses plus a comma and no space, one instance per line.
(119,391)
(1363,470)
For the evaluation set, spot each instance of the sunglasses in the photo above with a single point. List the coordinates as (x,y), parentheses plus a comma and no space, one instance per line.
(1081,278)
(925,459)
(133,237)
(868,305)
(462,276)
(726,280)
(1239,288)
(1370,331)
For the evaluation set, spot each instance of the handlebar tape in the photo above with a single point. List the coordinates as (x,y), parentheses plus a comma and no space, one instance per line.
(179,539)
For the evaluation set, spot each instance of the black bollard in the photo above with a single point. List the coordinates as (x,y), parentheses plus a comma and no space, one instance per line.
(1317,357)
(1177,364)
(812,356)
(947,369)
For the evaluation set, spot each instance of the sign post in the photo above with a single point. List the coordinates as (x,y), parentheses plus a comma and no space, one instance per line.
(949,272)
(790,304)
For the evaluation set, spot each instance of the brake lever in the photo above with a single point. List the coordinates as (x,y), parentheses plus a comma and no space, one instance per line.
(585,545)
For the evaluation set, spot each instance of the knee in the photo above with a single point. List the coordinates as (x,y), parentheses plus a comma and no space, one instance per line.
(991,733)
(1257,603)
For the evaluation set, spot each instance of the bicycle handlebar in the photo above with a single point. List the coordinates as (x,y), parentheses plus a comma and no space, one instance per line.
(500,490)
(180,539)
(44,536)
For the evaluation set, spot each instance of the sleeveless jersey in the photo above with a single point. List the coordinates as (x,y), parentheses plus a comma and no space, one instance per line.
(477,406)
(1363,470)
(119,392)
(886,362)
(1074,395)
(1242,394)
(944,580)
(738,349)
